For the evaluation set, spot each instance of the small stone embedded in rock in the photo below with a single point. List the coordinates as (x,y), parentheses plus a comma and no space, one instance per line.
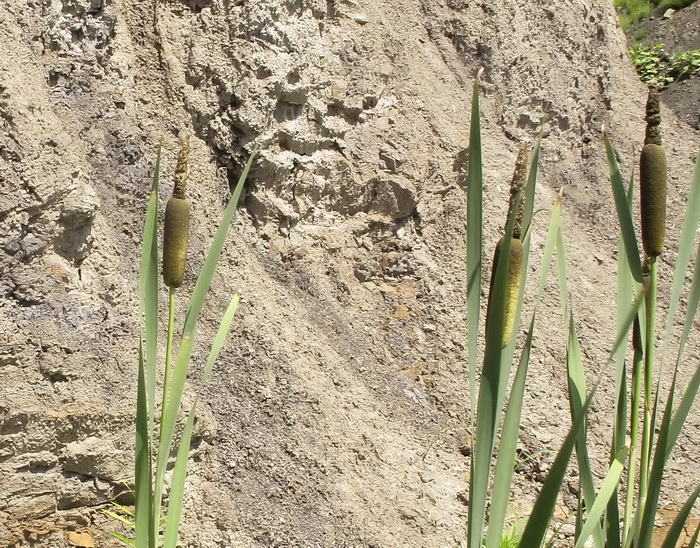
(80,540)
(95,457)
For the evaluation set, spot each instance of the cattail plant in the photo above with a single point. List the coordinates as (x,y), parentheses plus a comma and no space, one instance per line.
(155,439)
(619,510)
(498,353)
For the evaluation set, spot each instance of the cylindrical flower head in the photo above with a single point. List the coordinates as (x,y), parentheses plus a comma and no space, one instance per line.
(652,177)
(176,233)
(513,279)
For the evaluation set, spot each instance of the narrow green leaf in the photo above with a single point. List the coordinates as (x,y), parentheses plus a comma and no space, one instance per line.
(474,244)
(119,517)
(124,510)
(624,304)
(177,489)
(563,277)
(143,469)
(685,250)
(577,393)
(206,275)
(147,367)
(549,246)
(694,541)
(607,489)
(500,492)
(624,216)
(532,182)
(491,390)
(678,524)
(148,290)
(503,475)
(647,507)
(122,538)
(220,338)
(692,388)
(538,523)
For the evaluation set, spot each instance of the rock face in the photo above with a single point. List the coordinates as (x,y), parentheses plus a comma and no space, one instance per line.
(337,410)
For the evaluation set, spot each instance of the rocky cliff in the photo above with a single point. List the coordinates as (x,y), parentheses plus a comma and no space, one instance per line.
(337,410)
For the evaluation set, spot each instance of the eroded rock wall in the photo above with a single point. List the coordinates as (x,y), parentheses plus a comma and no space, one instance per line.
(337,411)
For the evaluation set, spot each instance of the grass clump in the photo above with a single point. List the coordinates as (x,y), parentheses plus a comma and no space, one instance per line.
(617,510)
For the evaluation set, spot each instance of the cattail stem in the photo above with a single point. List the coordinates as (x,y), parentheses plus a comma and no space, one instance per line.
(168,353)
(637,368)
(648,427)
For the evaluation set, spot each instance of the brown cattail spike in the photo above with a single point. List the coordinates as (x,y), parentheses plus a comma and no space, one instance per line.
(653,118)
(652,179)
(516,187)
(513,279)
(182,170)
(177,221)
(176,233)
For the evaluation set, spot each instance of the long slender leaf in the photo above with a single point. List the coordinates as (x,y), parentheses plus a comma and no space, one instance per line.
(491,391)
(685,249)
(678,524)
(503,475)
(124,510)
(692,388)
(509,436)
(185,350)
(624,215)
(538,523)
(563,277)
(607,489)
(177,489)
(122,538)
(577,393)
(529,205)
(147,366)
(647,506)
(474,244)
(694,541)
(148,289)
(624,303)
(118,517)
(549,246)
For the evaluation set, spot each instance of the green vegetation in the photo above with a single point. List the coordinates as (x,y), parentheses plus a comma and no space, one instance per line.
(658,69)
(157,418)
(685,63)
(631,12)
(650,64)
(619,509)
